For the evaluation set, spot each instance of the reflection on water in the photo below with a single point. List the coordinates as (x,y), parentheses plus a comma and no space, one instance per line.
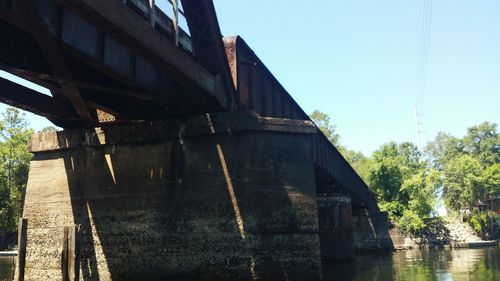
(421,265)
(6,264)
(414,265)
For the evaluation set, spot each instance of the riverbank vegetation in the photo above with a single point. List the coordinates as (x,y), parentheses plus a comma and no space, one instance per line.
(14,166)
(409,183)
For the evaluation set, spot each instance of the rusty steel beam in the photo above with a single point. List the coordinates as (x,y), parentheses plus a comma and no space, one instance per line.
(94,73)
(44,79)
(16,95)
(117,20)
(8,15)
(49,48)
(208,46)
(56,109)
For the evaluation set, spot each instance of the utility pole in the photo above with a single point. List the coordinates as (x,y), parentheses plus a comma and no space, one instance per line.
(417,125)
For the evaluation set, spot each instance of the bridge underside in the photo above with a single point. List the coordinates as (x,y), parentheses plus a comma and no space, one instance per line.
(104,57)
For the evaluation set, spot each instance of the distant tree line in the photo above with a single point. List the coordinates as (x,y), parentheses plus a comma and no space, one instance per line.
(409,183)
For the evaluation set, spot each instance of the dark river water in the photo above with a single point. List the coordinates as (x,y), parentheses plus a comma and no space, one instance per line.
(414,265)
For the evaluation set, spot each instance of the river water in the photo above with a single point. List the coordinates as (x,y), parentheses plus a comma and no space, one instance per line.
(413,265)
(421,265)
(6,264)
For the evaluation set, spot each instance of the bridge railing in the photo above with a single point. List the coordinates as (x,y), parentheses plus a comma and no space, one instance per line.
(157,13)
(260,91)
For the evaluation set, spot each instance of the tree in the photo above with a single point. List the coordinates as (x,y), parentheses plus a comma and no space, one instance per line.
(462,186)
(47,129)
(483,141)
(467,165)
(407,188)
(490,179)
(444,148)
(14,166)
(386,179)
(405,155)
(422,189)
(322,121)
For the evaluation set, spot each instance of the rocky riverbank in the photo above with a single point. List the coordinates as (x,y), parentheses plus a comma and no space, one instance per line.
(440,233)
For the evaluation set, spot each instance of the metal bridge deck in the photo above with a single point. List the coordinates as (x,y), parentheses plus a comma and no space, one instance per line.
(118,57)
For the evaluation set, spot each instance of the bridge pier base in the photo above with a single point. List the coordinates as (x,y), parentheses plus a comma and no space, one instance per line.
(371,231)
(335,227)
(217,197)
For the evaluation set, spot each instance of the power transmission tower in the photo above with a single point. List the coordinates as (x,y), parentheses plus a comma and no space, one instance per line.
(417,125)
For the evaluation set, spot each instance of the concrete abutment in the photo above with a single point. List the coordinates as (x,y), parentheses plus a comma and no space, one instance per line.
(228,196)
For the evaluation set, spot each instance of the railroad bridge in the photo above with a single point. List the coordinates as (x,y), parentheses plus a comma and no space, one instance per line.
(182,157)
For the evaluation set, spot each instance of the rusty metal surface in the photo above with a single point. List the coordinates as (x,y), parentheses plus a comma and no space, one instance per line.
(259,90)
(207,41)
(139,72)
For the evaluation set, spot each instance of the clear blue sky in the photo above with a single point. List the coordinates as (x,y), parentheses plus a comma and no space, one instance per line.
(358,61)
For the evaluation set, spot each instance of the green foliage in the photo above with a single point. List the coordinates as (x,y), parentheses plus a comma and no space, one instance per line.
(464,171)
(490,179)
(406,187)
(322,121)
(483,141)
(47,129)
(410,222)
(422,189)
(14,166)
(404,155)
(461,182)
(443,149)
(394,209)
(469,165)
(479,222)
(386,179)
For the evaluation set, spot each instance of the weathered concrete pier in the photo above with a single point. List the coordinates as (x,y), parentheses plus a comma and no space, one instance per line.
(182,158)
(212,196)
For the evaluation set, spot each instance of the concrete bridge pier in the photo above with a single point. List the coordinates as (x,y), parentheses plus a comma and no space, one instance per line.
(371,231)
(227,196)
(335,227)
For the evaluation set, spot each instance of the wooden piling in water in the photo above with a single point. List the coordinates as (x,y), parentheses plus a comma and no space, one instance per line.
(70,259)
(13,269)
(21,240)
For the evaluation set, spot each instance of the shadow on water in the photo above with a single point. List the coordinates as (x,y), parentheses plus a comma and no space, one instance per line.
(420,265)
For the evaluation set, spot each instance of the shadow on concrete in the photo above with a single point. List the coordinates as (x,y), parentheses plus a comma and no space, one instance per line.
(216,207)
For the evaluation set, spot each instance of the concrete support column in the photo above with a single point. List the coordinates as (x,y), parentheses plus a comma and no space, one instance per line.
(371,231)
(335,226)
(220,197)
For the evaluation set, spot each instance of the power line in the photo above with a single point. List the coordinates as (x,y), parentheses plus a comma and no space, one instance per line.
(425,38)
(425,55)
